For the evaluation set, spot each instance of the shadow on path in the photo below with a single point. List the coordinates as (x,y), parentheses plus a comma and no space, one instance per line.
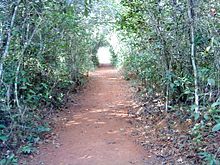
(96,130)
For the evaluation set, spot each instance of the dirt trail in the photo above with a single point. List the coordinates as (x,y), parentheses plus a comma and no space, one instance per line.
(97,129)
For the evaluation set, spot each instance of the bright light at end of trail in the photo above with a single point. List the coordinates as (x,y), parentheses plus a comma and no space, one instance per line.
(104,55)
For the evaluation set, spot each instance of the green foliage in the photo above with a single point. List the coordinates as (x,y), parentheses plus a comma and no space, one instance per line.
(27,149)
(48,46)
(49,51)
(9,160)
(144,68)
(42,129)
(209,158)
(114,57)
(216,127)
(156,50)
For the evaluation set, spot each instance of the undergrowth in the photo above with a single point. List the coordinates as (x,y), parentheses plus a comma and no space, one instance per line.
(22,132)
(176,136)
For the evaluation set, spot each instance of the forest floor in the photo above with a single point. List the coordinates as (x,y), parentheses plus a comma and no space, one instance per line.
(96,128)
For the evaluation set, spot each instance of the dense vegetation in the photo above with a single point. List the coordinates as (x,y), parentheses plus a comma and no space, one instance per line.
(170,48)
(46,49)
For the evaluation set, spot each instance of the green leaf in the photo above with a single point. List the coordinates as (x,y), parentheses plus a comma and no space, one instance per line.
(3,161)
(187,91)
(208,49)
(206,116)
(212,111)
(44,85)
(211,82)
(43,129)
(27,149)
(216,127)
(3,138)
(215,104)
(31,91)
(196,116)
(203,154)
(2,126)
(24,87)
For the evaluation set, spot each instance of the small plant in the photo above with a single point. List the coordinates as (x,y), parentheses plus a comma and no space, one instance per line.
(27,149)
(211,159)
(9,160)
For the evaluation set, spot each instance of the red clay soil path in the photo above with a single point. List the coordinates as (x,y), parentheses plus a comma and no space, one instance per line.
(97,130)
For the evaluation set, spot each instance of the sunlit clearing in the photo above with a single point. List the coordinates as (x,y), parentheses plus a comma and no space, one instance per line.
(104,55)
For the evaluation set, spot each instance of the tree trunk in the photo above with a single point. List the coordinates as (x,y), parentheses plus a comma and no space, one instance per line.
(193,52)
(5,52)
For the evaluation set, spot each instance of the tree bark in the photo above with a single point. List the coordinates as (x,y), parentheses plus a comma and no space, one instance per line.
(191,16)
(5,52)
